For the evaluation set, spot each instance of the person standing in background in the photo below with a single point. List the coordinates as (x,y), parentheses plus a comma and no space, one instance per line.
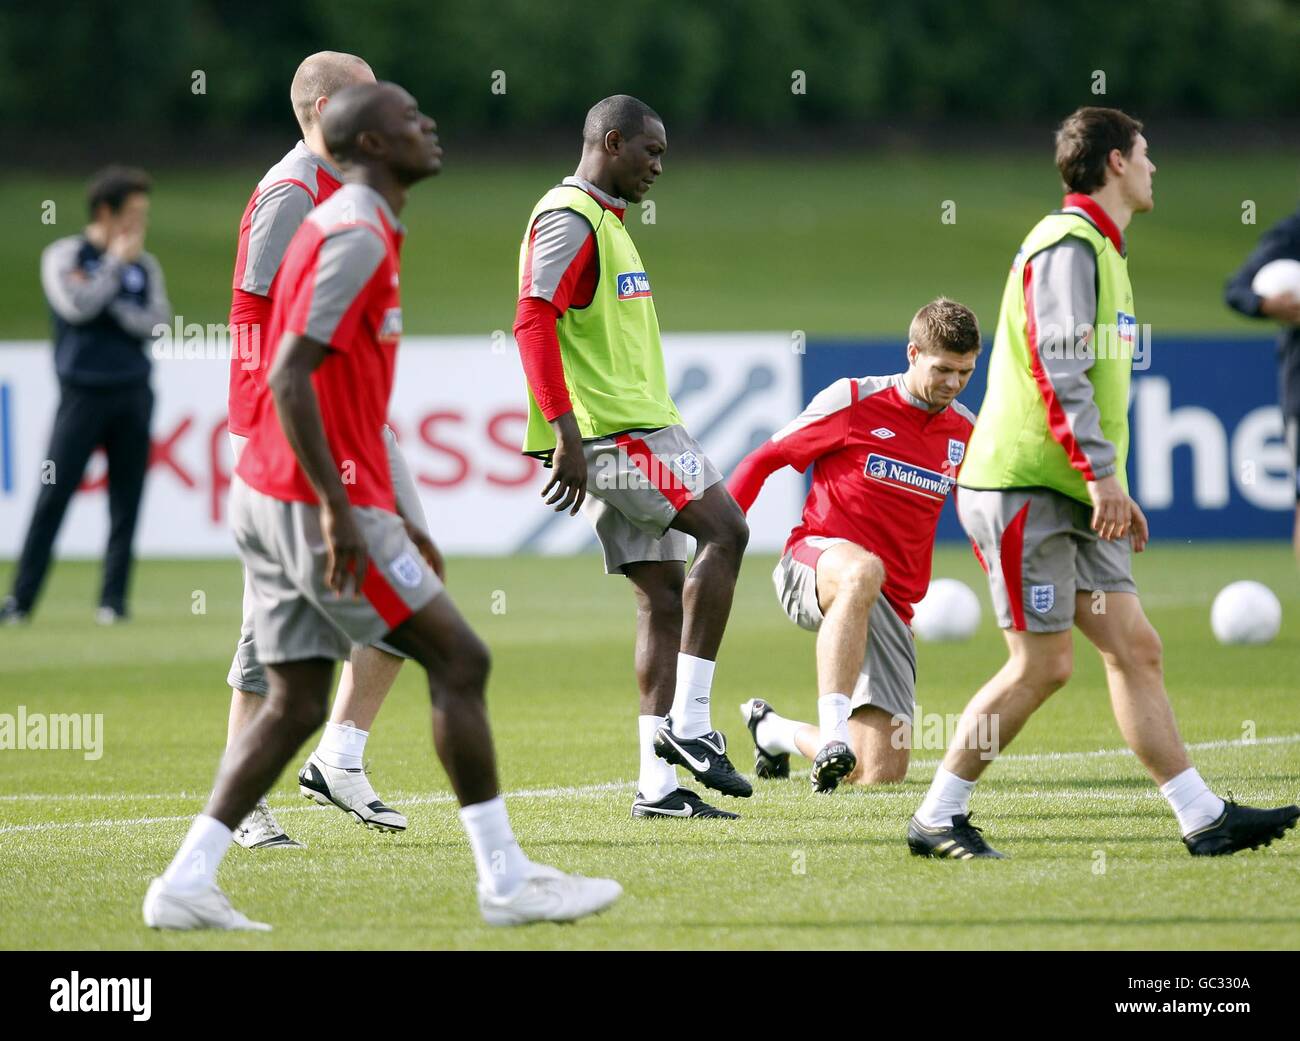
(1280,242)
(106,294)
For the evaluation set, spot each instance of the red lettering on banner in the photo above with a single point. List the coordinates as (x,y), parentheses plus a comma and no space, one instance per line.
(220,477)
(427,435)
(528,466)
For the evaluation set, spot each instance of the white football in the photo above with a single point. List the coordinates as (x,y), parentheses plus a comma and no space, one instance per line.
(950,611)
(1246,612)
(1277,276)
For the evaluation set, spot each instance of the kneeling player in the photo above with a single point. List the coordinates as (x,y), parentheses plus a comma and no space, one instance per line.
(884,452)
(308,538)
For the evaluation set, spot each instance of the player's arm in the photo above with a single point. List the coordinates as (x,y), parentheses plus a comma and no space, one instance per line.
(1282,241)
(1060,287)
(820,428)
(561,247)
(323,315)
(139,319)
(277,215)
(75,295)
(298,410)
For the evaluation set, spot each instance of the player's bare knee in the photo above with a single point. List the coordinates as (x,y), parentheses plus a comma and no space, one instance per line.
(1140,652)
(1045,673)
(862,577)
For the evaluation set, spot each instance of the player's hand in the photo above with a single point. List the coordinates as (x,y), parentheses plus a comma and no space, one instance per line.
(1285,307)
(346,549)
(1111,508)
(1140,532)
(127,244)
(427,549)
(567,487)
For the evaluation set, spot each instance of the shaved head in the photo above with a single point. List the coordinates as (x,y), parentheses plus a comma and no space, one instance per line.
(620,112)
(379,127)
(322,75)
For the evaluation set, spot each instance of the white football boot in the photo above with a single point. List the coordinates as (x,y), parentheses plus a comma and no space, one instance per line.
(260,830)
(207,909)
(549,895)
(349,789)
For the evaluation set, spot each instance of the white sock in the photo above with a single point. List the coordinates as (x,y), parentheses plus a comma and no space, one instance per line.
(658,776)
(690,709)
(194,867)
(948,797)
(1193,803)
(775,734)
(833,718)
(502,866)
(342,746)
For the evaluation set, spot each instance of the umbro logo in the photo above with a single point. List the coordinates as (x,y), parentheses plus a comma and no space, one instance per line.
(884,433)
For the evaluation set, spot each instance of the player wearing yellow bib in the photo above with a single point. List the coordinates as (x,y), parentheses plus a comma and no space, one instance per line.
(1043,496)
(600,415)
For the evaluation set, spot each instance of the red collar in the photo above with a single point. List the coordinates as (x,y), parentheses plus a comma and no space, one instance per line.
(1098,216)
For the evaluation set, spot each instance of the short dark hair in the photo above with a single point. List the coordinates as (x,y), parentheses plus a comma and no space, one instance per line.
(620,112)
(945,325)
(1084,143)
(113,185)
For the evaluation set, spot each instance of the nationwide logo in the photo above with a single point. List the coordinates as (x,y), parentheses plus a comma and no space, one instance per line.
(908,476)
(632,285)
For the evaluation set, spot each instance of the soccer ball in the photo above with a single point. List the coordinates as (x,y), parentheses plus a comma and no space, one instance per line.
(950,611)
(1277,276)
(1245,612)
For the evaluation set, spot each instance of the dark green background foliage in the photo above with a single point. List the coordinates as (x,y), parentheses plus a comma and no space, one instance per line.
(725,63)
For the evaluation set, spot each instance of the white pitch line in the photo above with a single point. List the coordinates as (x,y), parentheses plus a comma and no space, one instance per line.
(589,790)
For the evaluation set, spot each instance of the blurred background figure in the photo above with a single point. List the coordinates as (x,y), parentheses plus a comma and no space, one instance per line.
(105,295)
(1280,242)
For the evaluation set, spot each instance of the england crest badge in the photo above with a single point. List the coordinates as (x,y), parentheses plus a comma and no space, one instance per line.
(1042,598)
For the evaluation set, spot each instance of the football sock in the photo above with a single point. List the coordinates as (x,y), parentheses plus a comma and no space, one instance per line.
(194,867)
(1193,803)
(657,777)
(342,746)
(690,709)
(502,866)
(775,734)
(948,797)
(833,718)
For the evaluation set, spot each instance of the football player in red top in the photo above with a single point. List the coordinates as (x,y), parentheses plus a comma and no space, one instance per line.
(885,451)
(303,179)
(330,564)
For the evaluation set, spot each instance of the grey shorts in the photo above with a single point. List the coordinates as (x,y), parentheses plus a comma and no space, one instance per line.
(246,672)
(636,484)
(1038,550)
(888,677)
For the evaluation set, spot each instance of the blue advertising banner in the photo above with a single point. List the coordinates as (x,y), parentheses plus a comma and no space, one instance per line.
(1209,457)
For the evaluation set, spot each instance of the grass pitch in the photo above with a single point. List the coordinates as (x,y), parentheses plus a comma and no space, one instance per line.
(1096,861)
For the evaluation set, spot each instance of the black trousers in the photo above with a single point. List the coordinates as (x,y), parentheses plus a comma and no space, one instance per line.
(118,419)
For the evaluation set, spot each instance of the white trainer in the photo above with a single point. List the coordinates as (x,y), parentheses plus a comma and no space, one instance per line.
(260,830)
(349,790)
(209,908)
(549,895)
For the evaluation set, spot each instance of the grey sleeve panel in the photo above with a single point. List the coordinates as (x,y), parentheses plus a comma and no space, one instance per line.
(557,237)
(869,385)
(348,260)
(74,295)
(279,212)
(1064,288)
(157,310)
(964,412)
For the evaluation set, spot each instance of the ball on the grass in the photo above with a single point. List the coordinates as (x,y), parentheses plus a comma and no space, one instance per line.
(1246,612)
(950,611)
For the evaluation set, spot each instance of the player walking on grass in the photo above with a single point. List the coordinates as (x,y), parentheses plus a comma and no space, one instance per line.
(304,178)
(1043,496)
(885,451)
(330,564)
(599,414)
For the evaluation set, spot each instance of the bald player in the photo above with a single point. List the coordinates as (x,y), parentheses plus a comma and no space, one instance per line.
(303,179)
(329,562)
